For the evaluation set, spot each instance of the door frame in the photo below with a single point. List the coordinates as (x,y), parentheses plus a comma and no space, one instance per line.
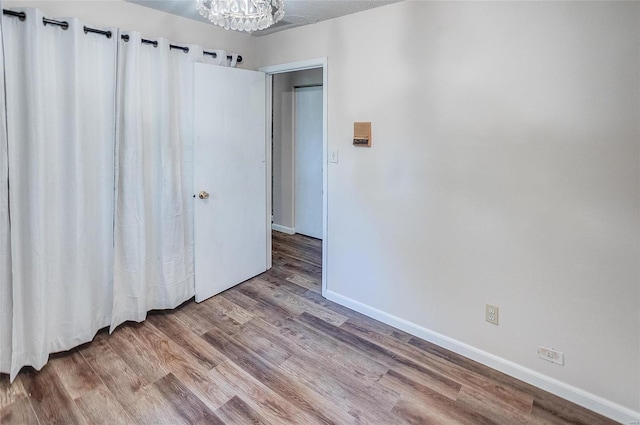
(290,67)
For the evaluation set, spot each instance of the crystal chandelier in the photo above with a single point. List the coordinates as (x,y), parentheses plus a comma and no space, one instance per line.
(242,15)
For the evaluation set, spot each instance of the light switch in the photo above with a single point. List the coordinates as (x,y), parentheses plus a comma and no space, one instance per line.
(333,155)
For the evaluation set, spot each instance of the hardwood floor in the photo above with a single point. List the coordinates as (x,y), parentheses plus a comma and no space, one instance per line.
(273,351)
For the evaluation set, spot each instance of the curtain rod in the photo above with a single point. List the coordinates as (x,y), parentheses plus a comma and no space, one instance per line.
(65,25)
(185,49)
(20,15)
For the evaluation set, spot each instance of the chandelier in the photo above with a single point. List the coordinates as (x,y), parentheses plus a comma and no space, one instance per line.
(242,15)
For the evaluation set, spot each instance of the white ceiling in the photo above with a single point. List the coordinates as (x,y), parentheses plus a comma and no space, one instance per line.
(297,12)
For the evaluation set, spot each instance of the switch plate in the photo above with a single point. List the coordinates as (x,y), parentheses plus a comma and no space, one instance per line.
(333,155)
(491,314)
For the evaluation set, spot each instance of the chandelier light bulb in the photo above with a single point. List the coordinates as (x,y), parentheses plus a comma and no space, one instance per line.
(242,15)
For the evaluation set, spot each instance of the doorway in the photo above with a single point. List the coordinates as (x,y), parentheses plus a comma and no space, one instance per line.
(298,192)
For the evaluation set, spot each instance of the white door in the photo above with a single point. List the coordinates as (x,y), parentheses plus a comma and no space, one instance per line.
(230,223)
(308,161)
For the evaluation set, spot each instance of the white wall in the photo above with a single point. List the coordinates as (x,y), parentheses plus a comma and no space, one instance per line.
(150,22)
(504,169)
(283,91)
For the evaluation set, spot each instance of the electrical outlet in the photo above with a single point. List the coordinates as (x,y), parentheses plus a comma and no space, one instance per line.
(491,314)
(551,355)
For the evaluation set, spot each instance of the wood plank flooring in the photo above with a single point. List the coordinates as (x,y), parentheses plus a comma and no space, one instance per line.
(272,351)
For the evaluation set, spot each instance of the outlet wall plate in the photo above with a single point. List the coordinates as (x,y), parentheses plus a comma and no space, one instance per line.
(491,314)
(551,355)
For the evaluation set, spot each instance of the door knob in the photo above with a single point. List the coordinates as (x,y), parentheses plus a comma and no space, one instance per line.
(203,195)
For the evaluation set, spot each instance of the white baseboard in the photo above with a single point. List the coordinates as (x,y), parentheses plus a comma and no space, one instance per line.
(287,230)
(576,395)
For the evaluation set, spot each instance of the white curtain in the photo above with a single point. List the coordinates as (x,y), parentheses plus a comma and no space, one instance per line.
(96,207)
(60,94)
(5,249)
(154,185)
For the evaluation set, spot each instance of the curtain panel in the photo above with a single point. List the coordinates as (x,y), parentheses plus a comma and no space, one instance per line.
(60,97)
(96,164)
(154,179)
(6,293)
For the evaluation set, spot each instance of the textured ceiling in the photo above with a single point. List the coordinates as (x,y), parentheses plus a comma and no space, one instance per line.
(297,12)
